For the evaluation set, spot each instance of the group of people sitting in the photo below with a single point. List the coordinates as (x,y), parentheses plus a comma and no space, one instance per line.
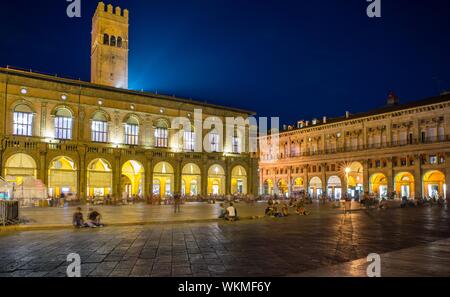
(228,213)
(93,221)
(423,202)
(278,209)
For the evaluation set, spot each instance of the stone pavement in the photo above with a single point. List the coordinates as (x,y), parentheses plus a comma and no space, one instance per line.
(145,214)
(266,247)
(425,260)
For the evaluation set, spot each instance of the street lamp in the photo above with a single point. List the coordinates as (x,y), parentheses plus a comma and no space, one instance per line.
(347,171)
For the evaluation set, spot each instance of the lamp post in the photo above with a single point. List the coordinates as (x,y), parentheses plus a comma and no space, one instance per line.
(347,171)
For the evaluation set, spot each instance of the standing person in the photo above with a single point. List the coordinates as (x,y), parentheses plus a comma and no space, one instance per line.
(348,204)
(177,203)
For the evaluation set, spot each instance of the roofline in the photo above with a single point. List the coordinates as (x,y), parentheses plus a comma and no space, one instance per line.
(75,82)
(379,111)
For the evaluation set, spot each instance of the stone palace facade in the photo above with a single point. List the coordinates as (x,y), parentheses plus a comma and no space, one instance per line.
(98,138)
(398,148)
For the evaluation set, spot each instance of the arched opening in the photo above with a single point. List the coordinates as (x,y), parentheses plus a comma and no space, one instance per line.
(162,133)
(63,123)
(283,187)
(18,167)
(163,179)
(268,187)
(132,130)
(378,185)
(315,187)
(434,184)
(239,180)
(105,39)
(62,177)
(404,185)
(132,180)
(119,41)
(298,185)
(23,120)
(191,180)
(354,176)
(99,127)
(334,187)
(216,180)
(112,40)
(99,178)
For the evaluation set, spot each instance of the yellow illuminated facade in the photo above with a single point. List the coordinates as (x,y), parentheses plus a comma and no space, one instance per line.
(98,139)
(399,149)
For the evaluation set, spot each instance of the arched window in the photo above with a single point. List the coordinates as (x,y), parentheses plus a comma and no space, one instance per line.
(113,41)
(106,39)
(63,124)
(236,142)
(23,120)
(214,141)
(132,131)
(119,41)
(161,134)
(99,127)
(189,140)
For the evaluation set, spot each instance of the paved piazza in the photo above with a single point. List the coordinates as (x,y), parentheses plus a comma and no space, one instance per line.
(323,243)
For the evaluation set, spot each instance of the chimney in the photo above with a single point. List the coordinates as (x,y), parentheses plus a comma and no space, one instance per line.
(347,114)
(307,123)
(300,124)
(392,99)
(324,119)
(284,128)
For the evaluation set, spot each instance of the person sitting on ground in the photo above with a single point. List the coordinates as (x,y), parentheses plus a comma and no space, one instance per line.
(223,211)
(301,210)
(231,214)
(383,204)
(94,219)
(78,221)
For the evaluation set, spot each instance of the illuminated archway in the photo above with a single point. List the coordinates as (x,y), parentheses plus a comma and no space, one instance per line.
(191,180)
(216,180)
(298,185)
(132,180)
(18,167)
(353,173)
(62,177)
(239,180)
(163,179)
(99,178)
(268,187)
(378,185)
(334,187)
(315,187)
(433,184)
(283,187)
(404,185)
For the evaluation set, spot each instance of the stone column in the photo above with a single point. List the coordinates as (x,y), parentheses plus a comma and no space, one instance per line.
(177,177)
(148,188)
(390,176)
(227,177)
(366,175)
(417,177)
(117,189)
(324,178)
(43,166)
(447,180)
(82,176)
(204,179)
(289,180)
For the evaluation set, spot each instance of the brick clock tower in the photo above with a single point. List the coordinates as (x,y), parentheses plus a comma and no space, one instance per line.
(109,49)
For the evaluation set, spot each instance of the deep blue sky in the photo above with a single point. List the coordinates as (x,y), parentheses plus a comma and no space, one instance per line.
(289,58)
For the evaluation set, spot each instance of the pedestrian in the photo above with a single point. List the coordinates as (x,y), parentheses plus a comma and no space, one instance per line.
(177,203)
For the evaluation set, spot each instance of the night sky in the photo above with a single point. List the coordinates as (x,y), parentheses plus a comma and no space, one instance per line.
(294,59)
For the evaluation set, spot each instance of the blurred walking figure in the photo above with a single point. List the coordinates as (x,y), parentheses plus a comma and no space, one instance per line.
(177,203)
(348,204)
